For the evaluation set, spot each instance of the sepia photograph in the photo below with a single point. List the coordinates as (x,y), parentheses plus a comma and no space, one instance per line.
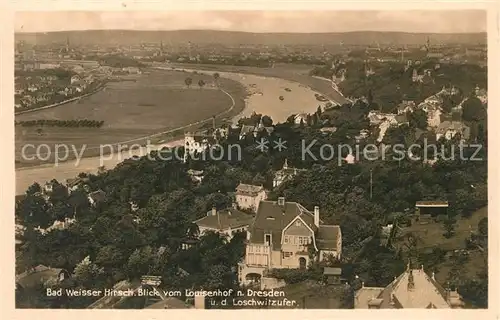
(232,159)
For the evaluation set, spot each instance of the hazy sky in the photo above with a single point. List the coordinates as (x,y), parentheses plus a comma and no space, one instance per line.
(257,21)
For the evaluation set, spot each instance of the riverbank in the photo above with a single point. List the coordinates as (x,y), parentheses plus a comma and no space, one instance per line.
(290,72)
(275,97)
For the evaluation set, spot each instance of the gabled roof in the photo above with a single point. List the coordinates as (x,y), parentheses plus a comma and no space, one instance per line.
(225,219)
(248,189)
(272,218)
(98,196)
(425,293)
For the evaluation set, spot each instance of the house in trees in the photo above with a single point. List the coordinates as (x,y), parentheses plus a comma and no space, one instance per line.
(247,130)
(228,221)
(96,197)
(40,275)
(431,208)
(249,196)
(197,143)
(284,174)
(448,130)
(333,275)
(74,79)
(412,289)
(481,94)
(406,106)
(300,118)
(283,235)
(74,183)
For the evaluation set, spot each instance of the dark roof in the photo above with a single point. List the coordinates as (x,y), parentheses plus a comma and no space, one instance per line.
(332,271)
(272,218)
(401,118)
(202,138)
(98,196)
(418,133)
(327,237)
(75,181)
(246,129)
(224,219)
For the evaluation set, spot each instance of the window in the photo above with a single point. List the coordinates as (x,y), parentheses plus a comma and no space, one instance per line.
(257,249)
(286,255)
(267,239)
(297,223)
(301,240)
(286,240)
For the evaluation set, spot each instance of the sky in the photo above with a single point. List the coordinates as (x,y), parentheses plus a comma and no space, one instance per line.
(463,21)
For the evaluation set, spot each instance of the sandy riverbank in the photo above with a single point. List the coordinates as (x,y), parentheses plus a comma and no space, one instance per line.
(265,93)
(265,100)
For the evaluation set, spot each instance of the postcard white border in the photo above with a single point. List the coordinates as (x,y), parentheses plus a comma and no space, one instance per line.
(7,189)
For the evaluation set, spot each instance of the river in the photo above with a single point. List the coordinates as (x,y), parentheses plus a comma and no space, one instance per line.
(264,99)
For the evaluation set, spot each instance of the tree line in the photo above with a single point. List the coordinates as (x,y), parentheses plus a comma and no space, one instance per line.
(81,123)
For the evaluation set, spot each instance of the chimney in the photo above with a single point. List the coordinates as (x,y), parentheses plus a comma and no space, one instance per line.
(214,211)
(281,201)
(316,216)
(199,302)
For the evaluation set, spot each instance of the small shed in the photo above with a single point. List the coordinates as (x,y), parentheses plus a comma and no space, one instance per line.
(332,275)
(432,208)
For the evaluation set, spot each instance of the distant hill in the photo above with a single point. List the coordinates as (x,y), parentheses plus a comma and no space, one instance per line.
(182,37)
